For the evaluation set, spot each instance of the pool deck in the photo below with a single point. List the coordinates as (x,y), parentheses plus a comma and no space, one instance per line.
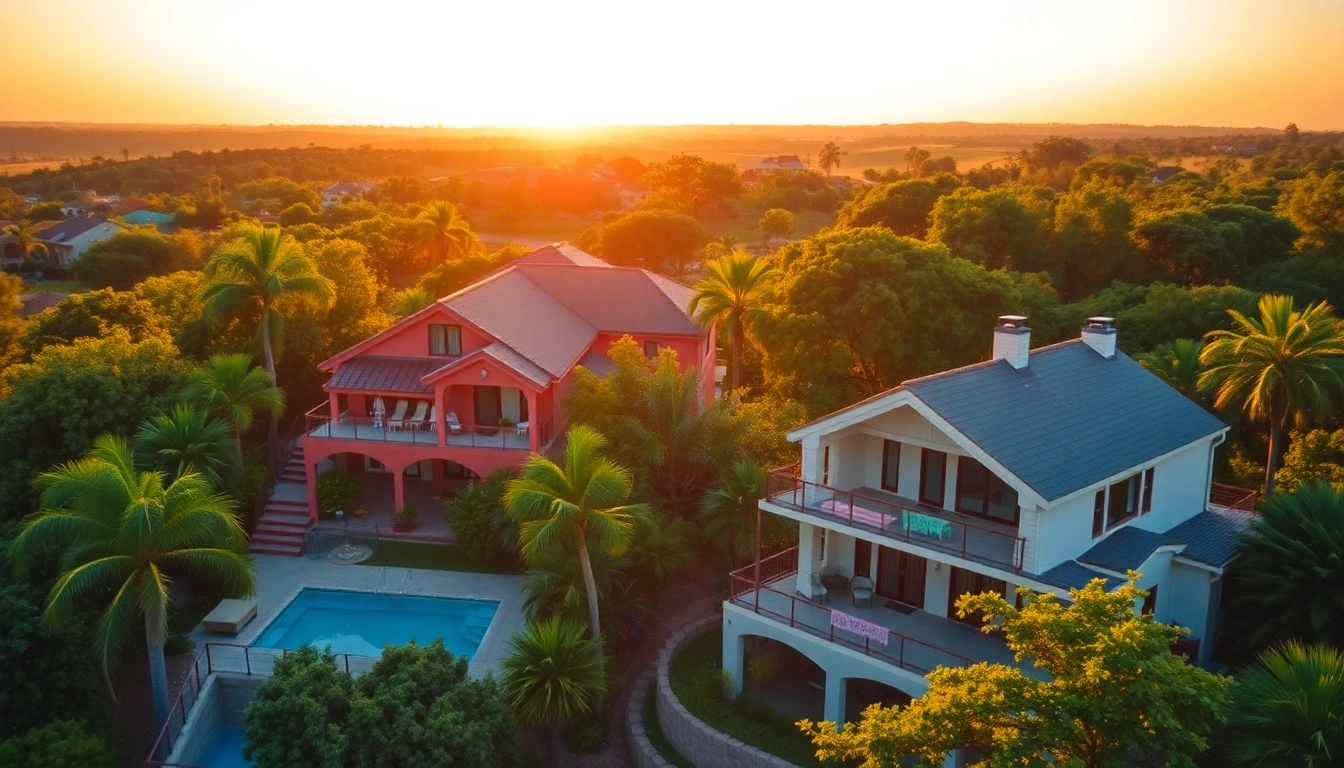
(281,578)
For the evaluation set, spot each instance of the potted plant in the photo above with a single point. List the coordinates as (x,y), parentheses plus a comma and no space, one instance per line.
(405,518)
(505,422)
(361,512)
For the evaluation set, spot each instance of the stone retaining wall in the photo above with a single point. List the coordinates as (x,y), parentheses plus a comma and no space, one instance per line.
(642,751)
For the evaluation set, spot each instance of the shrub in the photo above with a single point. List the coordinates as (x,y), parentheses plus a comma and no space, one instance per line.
(407,514)
(479,521)
(58,744)
(588,737)
(336,489)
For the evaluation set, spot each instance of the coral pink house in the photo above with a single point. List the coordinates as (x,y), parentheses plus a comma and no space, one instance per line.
(475,381)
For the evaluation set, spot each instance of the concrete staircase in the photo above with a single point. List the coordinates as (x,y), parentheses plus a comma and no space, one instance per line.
(280,530)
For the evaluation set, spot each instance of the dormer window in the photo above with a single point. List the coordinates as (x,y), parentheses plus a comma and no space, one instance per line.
(445,340)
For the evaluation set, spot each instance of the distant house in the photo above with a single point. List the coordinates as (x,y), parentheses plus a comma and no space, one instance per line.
(1160,175)
(161,221)
(33,303)
(780,163)
(75,208)
(67,240)
(630,195)
(345,191)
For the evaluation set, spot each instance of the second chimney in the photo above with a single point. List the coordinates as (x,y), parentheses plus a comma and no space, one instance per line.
(1012,341)
(1099,334)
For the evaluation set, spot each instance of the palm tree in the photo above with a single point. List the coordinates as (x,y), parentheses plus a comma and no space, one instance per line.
(255,272)
(1281,366)
(188,440)
(26,238)
(122,532)
(829,157)
(553,677)
(1289,708)
(444,229)
(410,301)
(728,513)
(579,505)
(1177,364)
(228,386)
(732,294)
(1290,565)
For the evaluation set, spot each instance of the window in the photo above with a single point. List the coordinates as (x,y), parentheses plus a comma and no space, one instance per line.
(932,477)
(826,465)
(1147,492)
(445,340)
(981,492)
(650,349)
(891,465)
(1099,513)
(1124,501)
(1150,602)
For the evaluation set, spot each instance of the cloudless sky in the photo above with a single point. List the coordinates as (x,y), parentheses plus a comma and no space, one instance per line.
(583,62)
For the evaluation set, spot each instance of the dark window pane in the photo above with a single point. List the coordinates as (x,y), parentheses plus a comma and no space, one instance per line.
(1148,490)
(1002,501)
(891,461)
(933,476)
(972,486)
(1099,513)
(1124,501)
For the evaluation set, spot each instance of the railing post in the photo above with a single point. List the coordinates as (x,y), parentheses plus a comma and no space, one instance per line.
(247,659)
(209,664)
(793,604)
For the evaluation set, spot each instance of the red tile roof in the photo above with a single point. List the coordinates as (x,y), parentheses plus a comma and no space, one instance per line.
(386,374)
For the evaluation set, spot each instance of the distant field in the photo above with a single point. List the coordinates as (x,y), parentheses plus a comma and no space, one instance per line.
(56,286)
(14,169)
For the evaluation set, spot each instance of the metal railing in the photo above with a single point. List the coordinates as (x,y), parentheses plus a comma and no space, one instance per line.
(902,650)
(230,658)
(320,423)
(1232,497)
(922,526)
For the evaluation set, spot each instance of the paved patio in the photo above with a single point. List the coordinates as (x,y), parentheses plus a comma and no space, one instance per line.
(280,579)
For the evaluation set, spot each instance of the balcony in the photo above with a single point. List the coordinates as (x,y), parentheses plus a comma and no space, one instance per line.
(899,519)
(918,641)
(320,423)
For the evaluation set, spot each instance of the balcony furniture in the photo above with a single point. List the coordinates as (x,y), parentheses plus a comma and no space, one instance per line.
(230,616)
(379,411)
(834,581)
(418,420)
(854,512)
(520,428)
(398,420)
(861,590)
(430,423)
(819,593)
(454,426)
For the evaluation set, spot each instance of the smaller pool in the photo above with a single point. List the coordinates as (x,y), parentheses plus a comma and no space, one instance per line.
(226,751)
(361,623)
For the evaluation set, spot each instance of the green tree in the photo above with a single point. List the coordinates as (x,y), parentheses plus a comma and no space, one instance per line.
(579,505)
(776,222)
(132,255)
(732,294)
(1091,245)
(902,206)
(298,213)
(993,228)
(480,524)
(1050,153)
(728,513)
(186,440)
(661,241)
(1289,564)
(252,276)
(1155,314)
(123,531)
(1314,455)
(299,715)
(11,324)
(1176,363)
(1192,249)
(1316,205)
(829,157)
(407,302)
(1281,367)
(915,158)
(1117,696)
(355,312)
(25,237)
(1288,709)
(91,315)
(692,183)
(552,677)
(176,298)
(229,387)
(445,230)
(58,744)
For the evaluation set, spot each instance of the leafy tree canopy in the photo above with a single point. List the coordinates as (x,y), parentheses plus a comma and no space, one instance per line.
(90,316)
(902,207)
(1316,206)
(1158,313)
(993,228)
(130,256)
(657,240)
(691,182)
(58,744)
(1314,455)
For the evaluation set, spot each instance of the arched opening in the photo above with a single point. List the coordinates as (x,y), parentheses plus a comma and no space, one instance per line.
(861,693)
(782,677)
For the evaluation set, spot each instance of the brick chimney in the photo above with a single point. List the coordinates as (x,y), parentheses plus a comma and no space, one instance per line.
(1012,341)
(1099,334)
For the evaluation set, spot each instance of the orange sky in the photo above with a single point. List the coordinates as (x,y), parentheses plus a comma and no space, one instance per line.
(1173,62)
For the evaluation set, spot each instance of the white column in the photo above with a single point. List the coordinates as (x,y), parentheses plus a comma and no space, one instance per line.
(834,707)
(733,651)
(937,580)
(811,468)
(807,557)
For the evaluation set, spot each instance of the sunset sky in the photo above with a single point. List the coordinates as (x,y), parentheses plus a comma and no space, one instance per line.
(398,62)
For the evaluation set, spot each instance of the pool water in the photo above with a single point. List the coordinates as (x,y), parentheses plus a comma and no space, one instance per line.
(226,751)
(360,623)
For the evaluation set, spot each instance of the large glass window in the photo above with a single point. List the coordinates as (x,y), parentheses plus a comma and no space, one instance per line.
(1124,501)
(932,477)
(445,340)
(981,492)
(891,466)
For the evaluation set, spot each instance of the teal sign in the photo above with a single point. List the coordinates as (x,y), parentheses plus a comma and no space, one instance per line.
(926,525)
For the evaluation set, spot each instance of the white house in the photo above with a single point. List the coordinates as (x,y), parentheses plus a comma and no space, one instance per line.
(345,191)
(67,240)
(1042,469)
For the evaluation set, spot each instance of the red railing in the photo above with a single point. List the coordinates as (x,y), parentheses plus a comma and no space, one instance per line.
(320,423)
(1232,497)
(915,525)
(789,608)
(232,659)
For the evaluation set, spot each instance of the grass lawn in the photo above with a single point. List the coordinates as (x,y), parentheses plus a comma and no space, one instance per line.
(434,557)
(648,713)
(57,286)
(746,228)
(697,681)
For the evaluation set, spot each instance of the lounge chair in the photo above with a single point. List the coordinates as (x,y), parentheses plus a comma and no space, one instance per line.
(398,420)
(454,426)
(230,616)
(861,589)
(418,420)
(520,428)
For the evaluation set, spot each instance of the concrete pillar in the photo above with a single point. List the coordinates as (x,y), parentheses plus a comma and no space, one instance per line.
(441,415)
(310,471)
(534,430)
(335,405)
(733,652)
(807,556)
(399,489)
(834,706)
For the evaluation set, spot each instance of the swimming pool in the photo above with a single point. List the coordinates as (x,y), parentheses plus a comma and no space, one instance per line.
(361,623)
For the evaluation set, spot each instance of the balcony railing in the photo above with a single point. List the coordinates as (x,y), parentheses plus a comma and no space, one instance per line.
(787,607)
(320,423)
(918,525)
(1232,497)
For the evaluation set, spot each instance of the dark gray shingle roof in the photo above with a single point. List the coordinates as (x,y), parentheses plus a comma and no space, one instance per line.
(385,374)
(1124,550)
(1070,419)
(1211,537)
(1071,575)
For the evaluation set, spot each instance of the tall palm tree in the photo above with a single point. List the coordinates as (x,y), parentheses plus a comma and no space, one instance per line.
(1283,366)
(254,272)
(732,294)
(829,157)
(728,513)
(26,238)
(228,386)
(579,505)
(1289,709)
(122,532)
(444,228)
(1290,565)
(553,677)
(410,301)
(188,440)
(1176,363)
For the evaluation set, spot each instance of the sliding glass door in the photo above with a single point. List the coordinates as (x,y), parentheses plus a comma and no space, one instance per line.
(900,576)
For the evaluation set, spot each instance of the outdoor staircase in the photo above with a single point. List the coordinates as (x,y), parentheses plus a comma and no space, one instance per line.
(283,523)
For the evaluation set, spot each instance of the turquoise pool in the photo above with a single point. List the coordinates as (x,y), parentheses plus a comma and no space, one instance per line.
(226,751)
(361,623)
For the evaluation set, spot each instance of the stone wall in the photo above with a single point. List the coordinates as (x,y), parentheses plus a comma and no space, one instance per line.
(697,742)
(642,752)
(221,703)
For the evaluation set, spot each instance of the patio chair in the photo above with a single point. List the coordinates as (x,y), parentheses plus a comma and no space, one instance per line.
(418,420)
(520,428)
(861,590)
(454,426)
(398,420)
(431,424)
